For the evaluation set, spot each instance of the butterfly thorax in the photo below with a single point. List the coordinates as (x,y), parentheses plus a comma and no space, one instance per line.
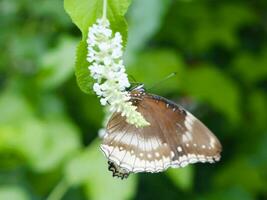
(137,94)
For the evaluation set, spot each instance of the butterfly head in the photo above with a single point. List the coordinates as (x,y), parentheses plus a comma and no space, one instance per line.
(137,93)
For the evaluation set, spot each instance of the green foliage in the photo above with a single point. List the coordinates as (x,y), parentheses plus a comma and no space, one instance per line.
(245,62)
(198,83)
(143,24)
(90,168)
(84,14)
(210,24)
(48,150)
(49,128)
(231,194)
(84,79)
(182,178)
(241,173)
(50,76)
(13,192)
(78,11)
(257,107)
(152,62)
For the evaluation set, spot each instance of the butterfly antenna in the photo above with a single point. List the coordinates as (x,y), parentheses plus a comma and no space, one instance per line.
(166,78)
(133,81)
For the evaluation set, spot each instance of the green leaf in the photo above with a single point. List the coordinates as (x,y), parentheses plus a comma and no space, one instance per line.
(207,33)
(198,26)
(155,65)
(53,9)
(57,65)
(39,143)
(90,168)
(43,144)
(182,177)
(82,73)
(243,173)
(211,85)
(231,193)
(13,192)
(84,13)
(257,106)
(251,68)
(14,107)
(55,141)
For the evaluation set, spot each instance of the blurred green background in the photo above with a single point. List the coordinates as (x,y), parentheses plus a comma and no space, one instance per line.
(49,128)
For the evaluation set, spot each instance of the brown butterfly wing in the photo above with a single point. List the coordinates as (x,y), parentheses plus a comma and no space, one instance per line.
(174,138)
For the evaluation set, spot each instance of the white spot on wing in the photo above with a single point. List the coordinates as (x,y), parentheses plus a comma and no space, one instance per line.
(106,149)
(189,120)
(117,155)
(158,165)
(217,158)
(192,158)
(128,161)
(187,136)
(135,140)
(184,138)
(135,164)
(212,142)
(202,158)
(139,165)
(166,161)
(148,144)
(150,166)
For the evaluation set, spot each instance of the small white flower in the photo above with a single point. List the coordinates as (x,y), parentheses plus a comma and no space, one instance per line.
(106,67)
(103,101)
(97,89)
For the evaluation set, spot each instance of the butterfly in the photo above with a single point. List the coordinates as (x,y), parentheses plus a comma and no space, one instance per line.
(174,138)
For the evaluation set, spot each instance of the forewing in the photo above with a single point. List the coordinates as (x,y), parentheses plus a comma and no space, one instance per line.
(174,138)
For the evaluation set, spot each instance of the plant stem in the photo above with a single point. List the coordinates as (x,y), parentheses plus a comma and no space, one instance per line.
(59,191)
(104,9)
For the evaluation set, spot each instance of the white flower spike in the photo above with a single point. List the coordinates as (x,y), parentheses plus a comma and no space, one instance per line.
(106,67)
